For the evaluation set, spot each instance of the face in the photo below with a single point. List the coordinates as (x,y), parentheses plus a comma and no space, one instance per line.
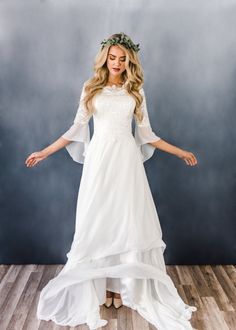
(116,60)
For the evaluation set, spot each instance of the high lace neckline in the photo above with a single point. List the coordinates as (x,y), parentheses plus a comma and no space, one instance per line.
(114,87)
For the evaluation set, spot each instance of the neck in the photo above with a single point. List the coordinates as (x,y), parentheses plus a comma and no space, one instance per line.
(115,79)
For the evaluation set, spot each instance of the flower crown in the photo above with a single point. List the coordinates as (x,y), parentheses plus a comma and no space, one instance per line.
(123,40)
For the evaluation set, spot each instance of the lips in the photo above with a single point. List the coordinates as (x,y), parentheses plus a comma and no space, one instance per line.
(116,69)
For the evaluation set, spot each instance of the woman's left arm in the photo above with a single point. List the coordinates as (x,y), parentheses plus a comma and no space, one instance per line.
(187,156)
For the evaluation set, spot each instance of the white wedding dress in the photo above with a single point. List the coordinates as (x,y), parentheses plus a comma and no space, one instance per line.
(117,243)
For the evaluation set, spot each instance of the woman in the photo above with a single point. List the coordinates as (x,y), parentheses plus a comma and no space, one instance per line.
(117,246)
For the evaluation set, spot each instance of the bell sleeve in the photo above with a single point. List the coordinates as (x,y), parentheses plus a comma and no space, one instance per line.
(143,133)
(79,133)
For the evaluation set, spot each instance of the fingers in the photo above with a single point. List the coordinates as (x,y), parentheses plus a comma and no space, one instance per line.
(31,161)
(193,159)
(187,160)
(35,161)
(190,159)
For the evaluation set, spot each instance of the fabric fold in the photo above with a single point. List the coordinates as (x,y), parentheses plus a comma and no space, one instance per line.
(79,135)
(75,295)
(143,133)
(79,132)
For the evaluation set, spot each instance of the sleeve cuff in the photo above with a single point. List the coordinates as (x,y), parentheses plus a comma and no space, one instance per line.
(79,134)
(143,137)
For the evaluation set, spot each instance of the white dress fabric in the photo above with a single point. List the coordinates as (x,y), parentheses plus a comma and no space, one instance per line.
(117,244)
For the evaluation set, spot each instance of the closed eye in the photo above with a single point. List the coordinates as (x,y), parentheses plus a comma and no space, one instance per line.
(112,58)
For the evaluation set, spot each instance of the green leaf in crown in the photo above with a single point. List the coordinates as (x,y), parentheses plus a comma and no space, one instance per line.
(123,40)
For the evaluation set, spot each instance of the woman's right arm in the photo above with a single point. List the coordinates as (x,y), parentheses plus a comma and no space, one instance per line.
(37,156)
(55,146)
(78,136)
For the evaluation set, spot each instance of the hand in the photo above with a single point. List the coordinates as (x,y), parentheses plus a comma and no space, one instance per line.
(188,157)
(35,157)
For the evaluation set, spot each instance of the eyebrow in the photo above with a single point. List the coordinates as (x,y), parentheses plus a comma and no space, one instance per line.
(115,56)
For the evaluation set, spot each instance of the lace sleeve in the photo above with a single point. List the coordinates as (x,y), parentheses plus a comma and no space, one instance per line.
(144,134)
(79,133)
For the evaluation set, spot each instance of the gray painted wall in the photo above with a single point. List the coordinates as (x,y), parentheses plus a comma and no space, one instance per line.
(188,53)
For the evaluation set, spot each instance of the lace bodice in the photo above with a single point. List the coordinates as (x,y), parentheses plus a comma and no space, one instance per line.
(114,112)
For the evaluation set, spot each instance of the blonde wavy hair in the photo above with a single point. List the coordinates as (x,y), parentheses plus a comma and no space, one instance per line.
(132,76)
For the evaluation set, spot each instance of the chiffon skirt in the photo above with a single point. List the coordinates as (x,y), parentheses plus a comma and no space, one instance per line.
(117,245)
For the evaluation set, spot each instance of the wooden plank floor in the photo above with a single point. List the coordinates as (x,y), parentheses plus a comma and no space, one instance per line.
(211,288)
